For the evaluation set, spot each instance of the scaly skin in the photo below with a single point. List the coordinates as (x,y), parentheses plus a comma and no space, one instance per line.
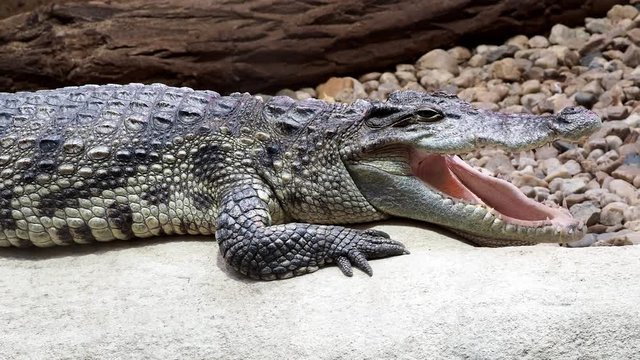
(272,180)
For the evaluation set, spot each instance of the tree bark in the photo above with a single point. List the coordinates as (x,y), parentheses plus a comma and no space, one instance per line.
(253,45)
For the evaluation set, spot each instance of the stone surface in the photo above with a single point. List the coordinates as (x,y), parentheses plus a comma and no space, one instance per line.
(447,300)
(344,89)
(439,59)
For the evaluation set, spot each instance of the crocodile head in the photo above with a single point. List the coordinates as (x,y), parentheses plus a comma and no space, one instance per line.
(402,157)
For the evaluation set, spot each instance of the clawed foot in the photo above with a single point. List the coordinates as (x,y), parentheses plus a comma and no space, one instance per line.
(367,244)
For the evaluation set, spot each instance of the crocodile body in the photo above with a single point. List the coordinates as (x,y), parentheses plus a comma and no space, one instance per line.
(272,180)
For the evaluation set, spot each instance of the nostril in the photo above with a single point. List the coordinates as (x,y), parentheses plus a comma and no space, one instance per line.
(570,110)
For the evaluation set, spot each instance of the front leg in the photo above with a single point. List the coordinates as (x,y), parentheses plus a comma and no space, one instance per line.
(251,245)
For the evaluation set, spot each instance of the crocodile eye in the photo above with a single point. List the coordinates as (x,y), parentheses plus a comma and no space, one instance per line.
(428,115)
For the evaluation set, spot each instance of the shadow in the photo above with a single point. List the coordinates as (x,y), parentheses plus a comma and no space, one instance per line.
(417,224)
(76,250)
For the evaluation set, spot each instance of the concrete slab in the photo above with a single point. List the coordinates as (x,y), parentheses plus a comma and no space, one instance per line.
(447,300)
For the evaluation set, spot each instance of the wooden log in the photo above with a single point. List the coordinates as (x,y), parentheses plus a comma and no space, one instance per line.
(253,45)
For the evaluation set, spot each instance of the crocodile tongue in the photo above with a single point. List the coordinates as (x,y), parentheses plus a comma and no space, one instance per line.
(452,176)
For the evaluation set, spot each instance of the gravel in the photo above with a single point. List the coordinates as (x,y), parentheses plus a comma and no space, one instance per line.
(596,66)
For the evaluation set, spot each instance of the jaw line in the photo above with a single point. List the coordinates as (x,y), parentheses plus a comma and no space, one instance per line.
(454,178)
(459,200)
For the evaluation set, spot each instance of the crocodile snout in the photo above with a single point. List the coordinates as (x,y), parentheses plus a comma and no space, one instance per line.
(575,122)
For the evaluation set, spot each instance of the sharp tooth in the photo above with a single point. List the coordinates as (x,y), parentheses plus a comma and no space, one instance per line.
(510,228)
(470,209)
(478,212)
(488,216)
(447,202)
(497,224)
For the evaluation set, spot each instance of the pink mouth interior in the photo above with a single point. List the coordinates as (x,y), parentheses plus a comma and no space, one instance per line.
(452,176)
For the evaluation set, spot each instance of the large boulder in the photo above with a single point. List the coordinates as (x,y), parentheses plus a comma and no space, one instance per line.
(252,45)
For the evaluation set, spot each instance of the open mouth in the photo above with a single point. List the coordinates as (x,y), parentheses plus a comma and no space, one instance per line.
(453,177)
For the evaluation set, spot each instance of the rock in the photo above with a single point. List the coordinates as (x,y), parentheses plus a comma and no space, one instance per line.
(528,180)
(534,73)
(310,91)
(617,112)
(370,76)
(387,86)
(485,95)
(634,226)
(573,167)
(301,95)
(555,103)
(593,87)
(634,35)
(501,52)
(597,229)
(632,213)
(627,173)
(587,240)
(613,239)
(287,92)
(438,59)
(572,38)
(547,59)
(625,190)
(371,85)
(541,193)
(434,79)
(631,56)
(514,109)
(549,164)
(477,60)
(585,99)
(588,212)
(486,106)
(406,67)
(573,199)
(619,12)
(405,77)
(506,69)
(601,26)
(519,41)
(467,78)
(538,42)
(631,92)
(460,53)
(612,142)
(594,46)
(346,89)
(529,101)
(545,152)
(572,186)
(531,87)
(613,213)
(388,78)
(499,163)
(413,86)
(560,171)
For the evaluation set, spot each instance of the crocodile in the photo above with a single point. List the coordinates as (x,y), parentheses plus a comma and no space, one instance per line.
(273,180)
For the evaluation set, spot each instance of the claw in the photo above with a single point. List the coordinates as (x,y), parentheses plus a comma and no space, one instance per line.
(360,261)
(345,265)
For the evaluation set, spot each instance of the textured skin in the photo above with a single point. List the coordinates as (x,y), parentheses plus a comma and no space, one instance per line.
(101,163)
(269,179)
